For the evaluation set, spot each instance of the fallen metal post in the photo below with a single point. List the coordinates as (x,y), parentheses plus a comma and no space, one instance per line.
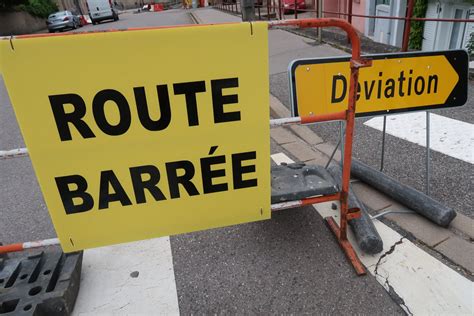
(364,230)
(404,194)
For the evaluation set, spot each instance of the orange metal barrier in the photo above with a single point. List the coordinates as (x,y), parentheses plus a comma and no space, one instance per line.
(349,116)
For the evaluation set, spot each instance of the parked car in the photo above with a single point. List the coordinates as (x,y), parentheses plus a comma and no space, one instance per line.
(289,6)
(100,10)
(62,20)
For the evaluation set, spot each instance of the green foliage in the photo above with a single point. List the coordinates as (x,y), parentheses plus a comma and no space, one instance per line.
(9,4)
(416,30)
(470,45)
(39,8)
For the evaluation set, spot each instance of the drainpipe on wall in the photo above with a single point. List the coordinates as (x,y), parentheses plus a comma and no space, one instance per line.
(350,12)
(406,31)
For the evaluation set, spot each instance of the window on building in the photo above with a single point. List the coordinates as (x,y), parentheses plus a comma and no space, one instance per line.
(457,31)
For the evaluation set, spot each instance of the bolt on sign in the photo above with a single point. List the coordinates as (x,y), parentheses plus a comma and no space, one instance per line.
(394,83)
(145,133)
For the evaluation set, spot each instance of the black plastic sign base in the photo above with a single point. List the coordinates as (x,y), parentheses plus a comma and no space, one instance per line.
(43,283)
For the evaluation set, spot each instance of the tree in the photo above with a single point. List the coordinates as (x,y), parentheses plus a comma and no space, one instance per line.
(8,4)
(416,30)
(470,45)
(39,8)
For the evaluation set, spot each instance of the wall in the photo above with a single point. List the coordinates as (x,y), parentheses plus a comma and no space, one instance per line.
(334,6)
(430,30)
(358,7)
(469,29)
(71,5)
(310,4)
(369,23)
(16,23)
(398,8)
(387,31)
(437,35)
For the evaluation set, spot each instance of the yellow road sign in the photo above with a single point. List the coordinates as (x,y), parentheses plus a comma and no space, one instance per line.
(131,137)
(394,83)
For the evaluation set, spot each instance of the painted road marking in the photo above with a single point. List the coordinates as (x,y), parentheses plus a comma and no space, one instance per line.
(426,285)
(448,136)
(110,284)
(281,158)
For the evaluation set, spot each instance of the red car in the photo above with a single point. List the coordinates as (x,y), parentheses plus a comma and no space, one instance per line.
(289,6)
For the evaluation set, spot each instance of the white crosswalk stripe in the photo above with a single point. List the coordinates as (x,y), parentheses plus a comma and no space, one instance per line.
(128,279)
(448,136)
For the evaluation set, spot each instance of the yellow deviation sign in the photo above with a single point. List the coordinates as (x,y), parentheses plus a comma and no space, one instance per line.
(145,133)
(394,83)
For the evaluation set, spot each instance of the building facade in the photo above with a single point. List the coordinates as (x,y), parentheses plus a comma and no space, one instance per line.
(447,35)
(436,35)
(358,7)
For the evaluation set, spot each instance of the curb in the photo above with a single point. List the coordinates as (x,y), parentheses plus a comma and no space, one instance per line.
(453,243)
(195,18)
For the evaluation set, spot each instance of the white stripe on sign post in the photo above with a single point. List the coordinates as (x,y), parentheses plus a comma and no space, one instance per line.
(448,136)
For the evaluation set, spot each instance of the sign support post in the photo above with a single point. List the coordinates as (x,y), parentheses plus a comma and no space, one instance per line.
(347,115)
(428,162)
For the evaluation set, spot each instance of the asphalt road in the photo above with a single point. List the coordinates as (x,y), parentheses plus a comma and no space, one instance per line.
(142,19)
(290,264)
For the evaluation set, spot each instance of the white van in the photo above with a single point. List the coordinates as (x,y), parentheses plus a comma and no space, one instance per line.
(100,10)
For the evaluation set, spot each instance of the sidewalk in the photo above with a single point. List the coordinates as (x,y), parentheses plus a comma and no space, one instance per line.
(452,246)
(283,46)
